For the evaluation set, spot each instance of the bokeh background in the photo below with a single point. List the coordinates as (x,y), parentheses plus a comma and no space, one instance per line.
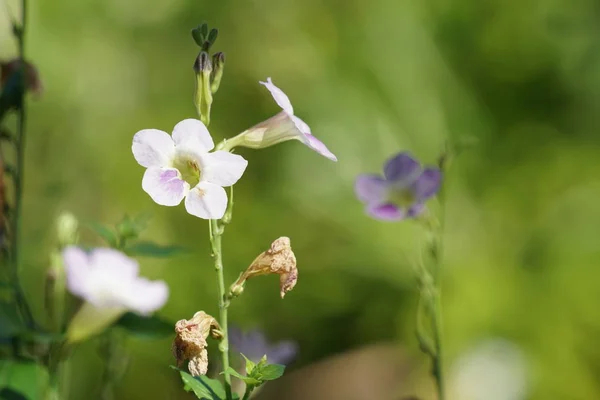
(519,80)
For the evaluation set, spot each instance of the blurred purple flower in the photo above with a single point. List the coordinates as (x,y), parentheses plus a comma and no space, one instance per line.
(402,190)
(254,345)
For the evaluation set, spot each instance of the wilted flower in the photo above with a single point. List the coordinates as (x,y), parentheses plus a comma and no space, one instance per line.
(402,190)
(493,370)
(279,128)
(278,259)
(108,281)
(180,166)
(32,78)
(254,345)
(190,341)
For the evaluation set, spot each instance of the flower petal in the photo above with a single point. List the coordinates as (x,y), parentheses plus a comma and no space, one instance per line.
(147,296)
(77,270)
(223,168)
(427,184)
(318,146)
(192,135)
(207,201)
(114,263)
(165,186)
(280,98)
(386,212)
(282,352)
(402,169)
(371,189)
(415,210)
(301,125)
(152,148)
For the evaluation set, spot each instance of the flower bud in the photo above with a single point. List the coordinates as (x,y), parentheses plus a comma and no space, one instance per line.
(203,94)
(190,341)
(277,129)
(218,61)
(66,229)
(279,259)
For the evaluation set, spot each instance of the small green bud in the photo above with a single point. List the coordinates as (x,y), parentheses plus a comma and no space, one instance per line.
(203,94)
(218,62)
(66,229)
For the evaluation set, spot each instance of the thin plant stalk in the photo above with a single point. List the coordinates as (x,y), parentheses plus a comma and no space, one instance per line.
(216,232)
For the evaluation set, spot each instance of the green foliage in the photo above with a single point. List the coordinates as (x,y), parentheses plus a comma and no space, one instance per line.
(109,236)
(10,323)
(258,373)
(150,249)
(204,388)
(10,394)
(25,379)
(152,327)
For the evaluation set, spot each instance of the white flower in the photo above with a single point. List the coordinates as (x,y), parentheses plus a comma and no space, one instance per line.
(493,370)
(282,127)
(180,166)
(108,281)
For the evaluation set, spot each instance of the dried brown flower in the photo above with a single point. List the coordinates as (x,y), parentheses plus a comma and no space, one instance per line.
(190,341)
(278,259)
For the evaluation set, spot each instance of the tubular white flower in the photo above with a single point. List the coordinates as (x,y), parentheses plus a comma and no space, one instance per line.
(107,280)
(180,166)
(282,127)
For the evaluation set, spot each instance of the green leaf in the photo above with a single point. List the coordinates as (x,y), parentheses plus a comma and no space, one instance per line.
(212,36)
(130,228)
(150,249)
(10,323)
(26,378)
(203,387)
(247,379)
(249,365)
(10,394)
(269,372)
(152,327)
(104,232)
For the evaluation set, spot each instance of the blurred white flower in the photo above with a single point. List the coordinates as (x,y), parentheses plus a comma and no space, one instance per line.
(493,370)
(180,166)
(107,280)
(282,127)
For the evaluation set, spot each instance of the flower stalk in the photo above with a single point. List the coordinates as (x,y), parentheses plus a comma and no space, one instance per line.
(216,231)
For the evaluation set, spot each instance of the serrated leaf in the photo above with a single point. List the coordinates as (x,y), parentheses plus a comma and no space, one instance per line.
(11,394)
(204,388)
(10,323)
(269,372)
(26,378)
(247,379)
(104,232)
(150,249)
(152,327)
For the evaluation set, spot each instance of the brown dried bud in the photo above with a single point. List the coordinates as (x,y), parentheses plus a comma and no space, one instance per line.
(279,259)
(190,341)
(34,84)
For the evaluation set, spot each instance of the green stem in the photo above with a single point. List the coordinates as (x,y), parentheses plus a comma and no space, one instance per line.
(216,232)
(18,178)
(248,393)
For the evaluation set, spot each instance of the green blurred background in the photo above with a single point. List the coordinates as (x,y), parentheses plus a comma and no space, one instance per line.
(519,78)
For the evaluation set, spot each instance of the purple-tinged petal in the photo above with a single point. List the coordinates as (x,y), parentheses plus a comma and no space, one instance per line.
(415,210)
(402,169)
(282,352)
(77,268)
(386,212)
(427,184)
(301,125)
(371,189)
(165,186)
(318,146)
(280,98)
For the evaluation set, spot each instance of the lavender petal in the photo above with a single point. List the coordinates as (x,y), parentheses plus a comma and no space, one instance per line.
(427,184)
(402,169)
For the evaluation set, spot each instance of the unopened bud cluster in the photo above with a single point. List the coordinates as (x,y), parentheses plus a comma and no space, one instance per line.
(208,70)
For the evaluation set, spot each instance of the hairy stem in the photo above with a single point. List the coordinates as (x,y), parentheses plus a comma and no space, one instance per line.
(216,231)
